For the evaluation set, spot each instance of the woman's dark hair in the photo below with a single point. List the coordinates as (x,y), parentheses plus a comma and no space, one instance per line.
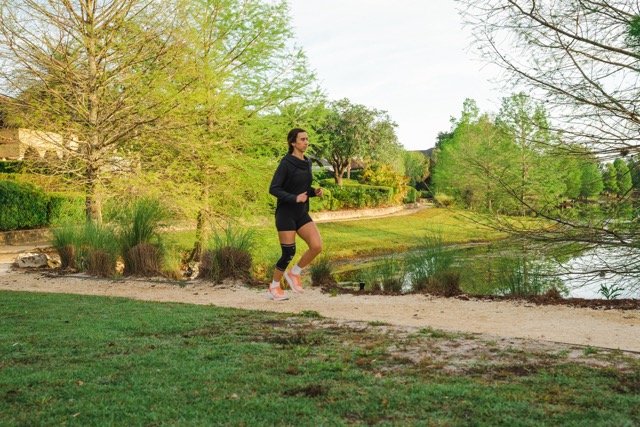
(291,138)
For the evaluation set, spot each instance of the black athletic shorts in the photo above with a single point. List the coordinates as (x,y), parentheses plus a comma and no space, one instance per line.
(291,219)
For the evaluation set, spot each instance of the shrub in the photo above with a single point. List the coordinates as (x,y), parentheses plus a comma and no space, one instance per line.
(143,259)
(22,205)
(228,255)
(431,267)
(412,195)
(444,283)
(426,194)
(64,240)
(97,238)
(138,226)
(522,277)
(443,200)
(322,174)
(89,247)
(101,263)
(379,174)
(322,271)
(321,204)
(65,209)
(388,275)
(172,264)
(360,196)
(11,166)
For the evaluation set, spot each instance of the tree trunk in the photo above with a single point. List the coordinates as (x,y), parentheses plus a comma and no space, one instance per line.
(92,203)
(201,231)
(93,211)
(338,171)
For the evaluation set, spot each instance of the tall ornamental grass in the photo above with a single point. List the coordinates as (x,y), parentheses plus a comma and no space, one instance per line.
(522,277)
(65,240)
(89,247)
(388,275)
(138,226)
(322,271)
(430,267)
(228,254)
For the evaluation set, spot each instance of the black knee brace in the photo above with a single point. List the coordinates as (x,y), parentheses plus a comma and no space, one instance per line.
(288,251)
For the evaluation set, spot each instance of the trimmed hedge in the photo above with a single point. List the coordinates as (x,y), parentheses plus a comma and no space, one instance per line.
(359,196)
(22,205)
(329,182)
(321,204)
(11,166)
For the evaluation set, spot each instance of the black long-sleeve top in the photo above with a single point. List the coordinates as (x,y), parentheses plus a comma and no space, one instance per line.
(292,177)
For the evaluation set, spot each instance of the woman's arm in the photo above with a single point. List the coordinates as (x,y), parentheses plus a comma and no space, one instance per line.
(275,189)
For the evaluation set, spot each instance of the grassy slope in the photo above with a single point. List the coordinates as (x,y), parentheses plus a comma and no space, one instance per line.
(348,239)
(83,360)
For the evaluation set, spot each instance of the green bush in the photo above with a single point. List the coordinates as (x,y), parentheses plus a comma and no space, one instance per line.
(22,205)
(327,182)
(87,247)
(322,271)
(65,209)
(412,195)
(11,166)
(360,196)
(138,230)
(431,266)
(228,254)
(444,200)
(321,204)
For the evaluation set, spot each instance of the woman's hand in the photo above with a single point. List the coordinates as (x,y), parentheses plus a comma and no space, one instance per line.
(319,192)
(301,198)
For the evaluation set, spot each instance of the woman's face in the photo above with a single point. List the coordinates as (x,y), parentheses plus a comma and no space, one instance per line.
(302,142)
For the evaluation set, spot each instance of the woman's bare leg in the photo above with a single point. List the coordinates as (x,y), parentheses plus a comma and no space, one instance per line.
(310,234)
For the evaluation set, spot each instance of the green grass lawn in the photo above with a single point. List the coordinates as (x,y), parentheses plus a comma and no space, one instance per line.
(95,361)
(350,239)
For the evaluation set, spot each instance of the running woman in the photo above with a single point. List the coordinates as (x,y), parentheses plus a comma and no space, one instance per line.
(291,185)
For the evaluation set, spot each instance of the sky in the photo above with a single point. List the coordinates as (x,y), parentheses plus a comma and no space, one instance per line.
(410,58)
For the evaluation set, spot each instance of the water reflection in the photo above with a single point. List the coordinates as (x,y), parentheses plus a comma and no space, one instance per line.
(519,268)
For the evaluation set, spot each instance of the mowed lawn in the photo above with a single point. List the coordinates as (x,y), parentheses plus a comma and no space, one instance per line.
(354,238)
(96,361)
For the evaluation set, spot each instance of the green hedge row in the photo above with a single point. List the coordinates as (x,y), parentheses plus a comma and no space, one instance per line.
(23,205)
(353,197)
(11,166)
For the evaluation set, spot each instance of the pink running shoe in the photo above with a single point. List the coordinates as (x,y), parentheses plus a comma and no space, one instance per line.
(294,281)
(277,294)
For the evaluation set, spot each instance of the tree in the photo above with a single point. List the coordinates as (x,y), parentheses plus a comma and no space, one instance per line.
(477,164)
(90,71)
(610,179)
(352,130)
(525,121)
(416,167)
(566,53)
(623,177)
(591,180)
(250,85)
(581,59)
